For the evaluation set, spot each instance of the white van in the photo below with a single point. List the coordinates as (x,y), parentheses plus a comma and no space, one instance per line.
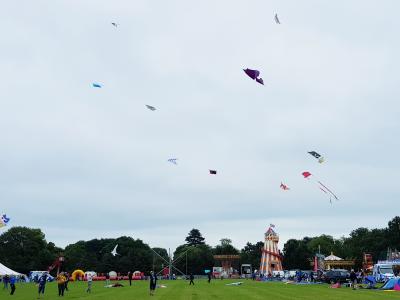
(382,272)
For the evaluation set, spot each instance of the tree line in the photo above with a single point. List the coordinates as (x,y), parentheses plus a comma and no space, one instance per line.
(375,241)
(24,249)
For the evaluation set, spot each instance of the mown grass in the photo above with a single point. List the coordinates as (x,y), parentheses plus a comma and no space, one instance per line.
(176,290)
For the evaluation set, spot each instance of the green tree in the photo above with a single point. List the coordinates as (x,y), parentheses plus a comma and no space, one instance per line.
(95,255)
(393,233)
(296,254)
(363,240)
(225,248)
(326,244)
(251,254)
(194,238)
(24,249)
(158,262)
(193,259)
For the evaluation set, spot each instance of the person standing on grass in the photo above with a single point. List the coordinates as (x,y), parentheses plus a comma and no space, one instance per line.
(61,284)
(209,277)
(42,283)
(353,279)
(12,284)
(6,279)
(107,278)
(191,279)
(130,277)
(89,279)
(153,283)
(66,281)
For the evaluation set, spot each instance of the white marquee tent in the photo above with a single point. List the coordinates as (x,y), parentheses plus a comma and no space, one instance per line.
(7,271)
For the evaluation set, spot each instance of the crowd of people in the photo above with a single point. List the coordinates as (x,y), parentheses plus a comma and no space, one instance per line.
(10,281)
(63,279)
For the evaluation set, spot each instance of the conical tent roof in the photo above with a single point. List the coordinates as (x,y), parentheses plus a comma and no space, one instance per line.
(7,271)
(333,257)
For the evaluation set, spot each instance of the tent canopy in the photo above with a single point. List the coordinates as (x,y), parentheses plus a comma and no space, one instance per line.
(391,284)
(7,271)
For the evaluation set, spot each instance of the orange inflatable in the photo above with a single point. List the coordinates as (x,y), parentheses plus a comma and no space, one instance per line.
(77,273)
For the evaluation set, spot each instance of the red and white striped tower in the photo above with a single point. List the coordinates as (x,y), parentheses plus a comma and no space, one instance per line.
(271,259)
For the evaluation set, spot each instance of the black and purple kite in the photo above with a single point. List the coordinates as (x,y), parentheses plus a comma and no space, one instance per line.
(254,74)
(213,172)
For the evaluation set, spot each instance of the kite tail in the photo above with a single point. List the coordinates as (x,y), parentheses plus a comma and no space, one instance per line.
(328,190)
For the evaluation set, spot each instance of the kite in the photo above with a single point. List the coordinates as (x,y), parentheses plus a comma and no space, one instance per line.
(114,24)
(317,156)
(173,161)
(114,252)
(234,283)
(253,74)
(284,187)
(321,186)
(97,85)
(151,107)
(277,19)
(4,220)
(327,190)
(213,172)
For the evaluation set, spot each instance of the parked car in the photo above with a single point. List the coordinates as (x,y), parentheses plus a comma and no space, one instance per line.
(333,276)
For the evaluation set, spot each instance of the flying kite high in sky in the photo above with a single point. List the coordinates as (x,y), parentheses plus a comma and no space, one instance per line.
(114,252)
(114,24)
(284,187)
(307,175)
(173,161)
(213,172)
(277,19)
(253,74)
(4,220)
(151,107)
(96,85)
(317,156)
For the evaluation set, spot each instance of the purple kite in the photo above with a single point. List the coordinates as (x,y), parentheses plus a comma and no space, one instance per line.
(254,74)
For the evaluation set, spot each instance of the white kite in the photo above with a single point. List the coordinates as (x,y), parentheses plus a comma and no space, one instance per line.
(234,283)
(114,252)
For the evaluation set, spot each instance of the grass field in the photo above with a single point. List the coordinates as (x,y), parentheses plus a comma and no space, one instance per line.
(176,290)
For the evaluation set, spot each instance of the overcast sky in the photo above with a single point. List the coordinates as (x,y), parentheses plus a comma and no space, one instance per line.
(83,163)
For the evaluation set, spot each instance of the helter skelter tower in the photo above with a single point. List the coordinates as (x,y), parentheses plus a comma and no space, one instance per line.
(271,259)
